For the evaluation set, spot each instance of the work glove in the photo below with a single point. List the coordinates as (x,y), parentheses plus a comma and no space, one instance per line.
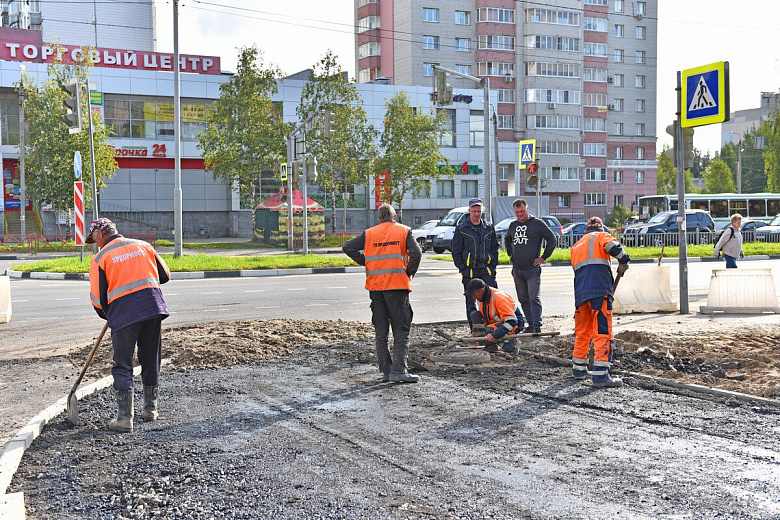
(622,268)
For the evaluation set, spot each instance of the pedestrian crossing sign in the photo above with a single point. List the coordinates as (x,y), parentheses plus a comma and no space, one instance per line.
(705,95)
(283,172)
(527,153)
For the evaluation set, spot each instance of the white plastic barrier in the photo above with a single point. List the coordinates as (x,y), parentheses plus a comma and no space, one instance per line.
(5,299)
(744,291)
(644,290)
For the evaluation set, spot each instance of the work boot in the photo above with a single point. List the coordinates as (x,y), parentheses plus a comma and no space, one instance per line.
(385,377)
(610,382)
(150,403)
(403,377)
(385,361)
(579,374)
(510,346)
(399,374)
(124,412)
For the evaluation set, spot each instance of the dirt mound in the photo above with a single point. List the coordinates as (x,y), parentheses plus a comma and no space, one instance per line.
(745,360)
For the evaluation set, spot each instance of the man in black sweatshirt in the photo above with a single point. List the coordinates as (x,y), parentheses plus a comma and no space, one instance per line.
(523,244)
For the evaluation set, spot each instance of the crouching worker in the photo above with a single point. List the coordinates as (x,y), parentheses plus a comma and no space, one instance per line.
(498,315)
(593,295)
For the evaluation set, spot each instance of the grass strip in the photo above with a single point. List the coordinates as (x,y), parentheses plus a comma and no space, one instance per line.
(200,262)
(215,245)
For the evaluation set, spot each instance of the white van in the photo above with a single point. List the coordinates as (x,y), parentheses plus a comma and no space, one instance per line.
(440,238)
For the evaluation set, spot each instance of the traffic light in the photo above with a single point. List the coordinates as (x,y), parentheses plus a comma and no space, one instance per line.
(283,195)
(687,145)
(72,104)
(670,152)
(311,169)
(443,89)
(328,120)
(533,168)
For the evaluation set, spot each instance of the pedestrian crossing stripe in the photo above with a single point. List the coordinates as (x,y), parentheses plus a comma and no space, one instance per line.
(704,95)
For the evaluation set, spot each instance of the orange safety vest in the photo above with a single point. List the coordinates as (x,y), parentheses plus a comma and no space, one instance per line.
(130,265)
(499,307)
(387,258)
(592,250)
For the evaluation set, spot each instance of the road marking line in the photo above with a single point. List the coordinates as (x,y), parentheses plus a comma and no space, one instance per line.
(359,303)
(61,299)
(171,294)
(214,292)
(336,287)
(456,298)
(257,290)
(19,301)
(52,284)
(215,310)
(297,289)
(317,305)
(276,307)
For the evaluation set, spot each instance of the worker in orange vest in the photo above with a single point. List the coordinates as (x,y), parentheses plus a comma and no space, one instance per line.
(498,314)
(391,256)
(593,295)
(124,285)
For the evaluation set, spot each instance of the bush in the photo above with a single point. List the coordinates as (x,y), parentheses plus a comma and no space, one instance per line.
(617,216)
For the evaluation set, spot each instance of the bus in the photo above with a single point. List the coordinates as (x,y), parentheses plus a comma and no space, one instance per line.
(758,206)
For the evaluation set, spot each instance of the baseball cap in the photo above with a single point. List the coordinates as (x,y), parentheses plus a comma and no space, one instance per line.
(474,285)
(101,225)
(595,223)
(475,202)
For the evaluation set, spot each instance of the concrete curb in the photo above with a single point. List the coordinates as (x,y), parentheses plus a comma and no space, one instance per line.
(12,505)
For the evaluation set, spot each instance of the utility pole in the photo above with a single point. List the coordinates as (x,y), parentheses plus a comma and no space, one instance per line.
(22,187)
(177,196)
(91,154)
(739,166)
(495,148)
(681,231)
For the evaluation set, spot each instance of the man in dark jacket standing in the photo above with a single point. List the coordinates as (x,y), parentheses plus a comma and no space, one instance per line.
(475,251)
(523,244)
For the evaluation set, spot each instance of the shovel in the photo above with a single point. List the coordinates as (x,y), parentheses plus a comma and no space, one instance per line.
(73,402)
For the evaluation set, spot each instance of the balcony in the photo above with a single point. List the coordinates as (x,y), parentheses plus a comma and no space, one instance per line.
(558,186)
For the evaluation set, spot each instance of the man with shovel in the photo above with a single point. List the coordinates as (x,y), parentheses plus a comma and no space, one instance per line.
(593,295)
(124,280)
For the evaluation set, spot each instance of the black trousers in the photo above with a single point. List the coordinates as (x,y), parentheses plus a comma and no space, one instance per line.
(146,334)
(391,309)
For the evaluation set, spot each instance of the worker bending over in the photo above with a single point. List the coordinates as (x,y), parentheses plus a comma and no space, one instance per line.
(593,295)
(498,315)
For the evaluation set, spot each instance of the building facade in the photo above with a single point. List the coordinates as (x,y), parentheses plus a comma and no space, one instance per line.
(579,77)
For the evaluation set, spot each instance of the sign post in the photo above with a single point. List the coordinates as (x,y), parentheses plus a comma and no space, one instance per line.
(527,156)
(78,203)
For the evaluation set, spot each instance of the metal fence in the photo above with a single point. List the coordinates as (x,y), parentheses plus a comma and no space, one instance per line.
(631,238)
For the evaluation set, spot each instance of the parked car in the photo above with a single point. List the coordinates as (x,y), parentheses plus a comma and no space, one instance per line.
(577,230)
(554,225)
(503,226)
(748,229)
(663,227)
(770,232)
(440,238)
(421,233)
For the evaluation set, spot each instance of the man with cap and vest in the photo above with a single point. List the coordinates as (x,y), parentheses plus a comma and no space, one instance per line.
(124,283)
(593,295)
(475,251)
(391,256)
(498,315)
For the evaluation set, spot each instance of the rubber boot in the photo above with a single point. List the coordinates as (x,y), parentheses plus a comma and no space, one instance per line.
(150,403)
(399,373)
(124,412)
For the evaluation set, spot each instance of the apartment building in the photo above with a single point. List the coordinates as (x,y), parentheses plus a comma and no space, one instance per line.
(578,76)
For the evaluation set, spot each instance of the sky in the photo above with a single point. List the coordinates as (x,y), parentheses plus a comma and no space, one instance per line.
(295,34)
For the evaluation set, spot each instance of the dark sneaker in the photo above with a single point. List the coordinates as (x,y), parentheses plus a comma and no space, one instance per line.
(403,377)
(610,382)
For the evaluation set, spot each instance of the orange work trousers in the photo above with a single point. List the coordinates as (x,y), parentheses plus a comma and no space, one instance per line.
(593,321)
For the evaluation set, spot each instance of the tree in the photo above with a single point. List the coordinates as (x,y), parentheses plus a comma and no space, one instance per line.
(753,169)
(700,163)
(49,147)
(718,179)
(247,136)
(346,157)
(409,149)
(771,131)
(618,215)
(667,176)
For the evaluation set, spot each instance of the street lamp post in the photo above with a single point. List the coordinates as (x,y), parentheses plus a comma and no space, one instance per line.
(22,186)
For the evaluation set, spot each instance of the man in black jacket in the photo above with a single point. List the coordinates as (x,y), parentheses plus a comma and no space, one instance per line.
(475,251)
(523,244)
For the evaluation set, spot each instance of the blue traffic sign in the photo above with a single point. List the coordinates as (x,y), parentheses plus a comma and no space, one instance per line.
(527,153)
(705,95)
(77,164)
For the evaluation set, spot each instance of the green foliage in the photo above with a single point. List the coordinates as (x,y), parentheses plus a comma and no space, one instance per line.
(49,147)
(718,178)
(667,176)
(618,215)
(700,163)
(771,156)
(753,170)
(348,156)
(248,133)
(409,149)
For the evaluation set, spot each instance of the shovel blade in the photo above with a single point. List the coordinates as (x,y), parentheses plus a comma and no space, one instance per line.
(73,410)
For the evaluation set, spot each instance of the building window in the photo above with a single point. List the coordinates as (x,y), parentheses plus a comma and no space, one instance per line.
(496,42)
(462,44)
(542,95)
(590,99)
(368,23)
(506,122)
(476,128)
(494,14)
(430,42)
(640,153)
(503,171)
(619,80)
(619,31)
(152,118)
(618,55)
(618,177)
(463,69)
(462,17)
(641,8)
(544,68)
(618,152)
(495,68)
(558,147)
(595,125)
(595,2)
(595,49)
(554,43)
(447,137)
(553,121)
(368,75)
(468,189)
(618,6)
(593,74)
(428,69)
(640,129)
(640,82)
(361,3)
(369,49)
(640,177)
(618,104)
(640,56)
(595,174)
(594,149)
(552,16)
(640,105)
(641,33)
(618,200)
(564,201)
(618,128)
(595,24)
(430,14)
(560,172)
(445,189)
(506,95)
(422,193)
(595,199)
